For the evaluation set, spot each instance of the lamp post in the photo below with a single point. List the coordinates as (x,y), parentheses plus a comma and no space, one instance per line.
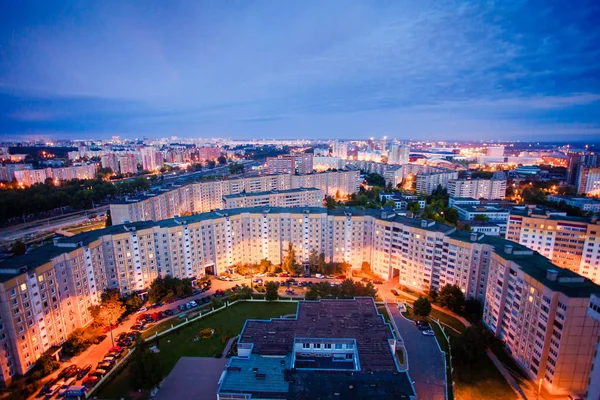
(537,396)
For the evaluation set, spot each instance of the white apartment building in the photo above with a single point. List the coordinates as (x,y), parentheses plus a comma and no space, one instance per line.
(33,176)
(306,197)
(398,154)
(423,255)
(428,182)
(324,163)
(570,242)
(340,149)
(478,188)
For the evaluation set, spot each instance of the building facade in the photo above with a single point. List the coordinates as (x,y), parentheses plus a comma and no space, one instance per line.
(570,242)
(420,254)
(478,188)
(307,197)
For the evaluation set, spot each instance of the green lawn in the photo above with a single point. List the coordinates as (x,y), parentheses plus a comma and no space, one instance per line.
(226,323)
(446,319)
(483,381)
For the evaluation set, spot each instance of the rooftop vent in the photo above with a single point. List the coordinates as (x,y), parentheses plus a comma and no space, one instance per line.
(552,274)
(508,249)
(423,223)
(473,236)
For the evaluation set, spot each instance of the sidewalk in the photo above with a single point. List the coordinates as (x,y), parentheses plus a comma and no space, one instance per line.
(509,378)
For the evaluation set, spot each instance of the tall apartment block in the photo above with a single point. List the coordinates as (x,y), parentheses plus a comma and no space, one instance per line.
(492,189)
(111,161)
(588,181)
(206,196)
(45,293)
(570,242)
(128,164)
(429,181)
(540,312)
(340,149)
(301,163)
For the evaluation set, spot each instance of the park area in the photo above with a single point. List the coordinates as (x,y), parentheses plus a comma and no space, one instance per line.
(187,341)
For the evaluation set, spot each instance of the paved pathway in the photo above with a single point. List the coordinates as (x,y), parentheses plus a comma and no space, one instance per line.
(426,362)
(509,378)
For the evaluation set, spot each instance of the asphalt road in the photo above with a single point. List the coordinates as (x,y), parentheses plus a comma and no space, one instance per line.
(426,364)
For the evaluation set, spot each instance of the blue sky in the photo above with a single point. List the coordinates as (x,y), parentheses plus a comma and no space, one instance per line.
(301,69)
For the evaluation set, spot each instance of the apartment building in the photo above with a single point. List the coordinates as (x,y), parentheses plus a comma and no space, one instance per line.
(110,160)
(33,176)
(128,164)
(334,183)
(398,154)
(340,149)
(306,197)
(206,196)
(539,310)
(570,242)
(426,183)
(593,311)
(7,172)
(588,181)
(324,163)
(478,188)
(421,254)
(152,159)
(301,163)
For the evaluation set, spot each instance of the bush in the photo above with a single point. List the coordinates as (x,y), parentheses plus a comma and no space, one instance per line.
(271,291)
(451,297)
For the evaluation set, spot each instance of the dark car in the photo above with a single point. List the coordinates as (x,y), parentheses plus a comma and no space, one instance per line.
(306,275)
(90,381)
(99,339)
(378,282)
(68,372)
(395,292)
(83,371)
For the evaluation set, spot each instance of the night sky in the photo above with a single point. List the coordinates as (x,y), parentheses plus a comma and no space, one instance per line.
(300,69)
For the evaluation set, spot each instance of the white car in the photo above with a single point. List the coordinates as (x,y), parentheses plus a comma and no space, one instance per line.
(193,303)
(63,389)
(319,276)
(428,332)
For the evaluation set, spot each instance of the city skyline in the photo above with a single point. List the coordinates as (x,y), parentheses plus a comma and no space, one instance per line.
(520,72)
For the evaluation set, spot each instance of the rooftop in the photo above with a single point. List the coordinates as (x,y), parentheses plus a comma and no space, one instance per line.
(536,265)
(357,319)
(237,195)
(548,213)
(257,375)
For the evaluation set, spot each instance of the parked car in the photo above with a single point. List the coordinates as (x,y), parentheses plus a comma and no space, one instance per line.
(68,372)
(99,339)
(105,365)
(90,381)
(428,332)
(53,390)
(76,392)
(283,275)
(378,282)
(421,323)
(395,292)
(365,280)
(193,303)
(98,372)
(341,276)
(319,276)
(425,327)
(109,328)
(306,275)
(65,386)
(83,371)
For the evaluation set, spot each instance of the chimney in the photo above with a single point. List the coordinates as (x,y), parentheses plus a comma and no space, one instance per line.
(552,274)
(508,249)
(473,236)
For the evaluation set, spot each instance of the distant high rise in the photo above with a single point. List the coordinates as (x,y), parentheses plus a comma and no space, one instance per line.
(340,149)
(576,161)
(301,163)
(588,180)
(398,154)
(128,164)
(110,161)
(152,160)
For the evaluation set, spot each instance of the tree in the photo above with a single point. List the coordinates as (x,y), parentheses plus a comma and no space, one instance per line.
(313,260)
(390,203)
(331,203)
(222,160)
(451,215)
(289,262)
(236,168)
(474,309)
(211,164)
(451,297)
(366,267)
(422,307)
(481,217)
(321,264)
(414,207)
(18,248)
(146,371)
(110,308)
(272,289)
(133,302)
(108,219)
(78,341)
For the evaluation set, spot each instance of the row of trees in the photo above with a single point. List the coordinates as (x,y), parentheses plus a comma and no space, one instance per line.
(348,289)
(76,194)
(450,297)
(169,287)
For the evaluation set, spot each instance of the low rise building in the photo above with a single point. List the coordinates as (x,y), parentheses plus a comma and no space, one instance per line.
(324,350)
(587,204)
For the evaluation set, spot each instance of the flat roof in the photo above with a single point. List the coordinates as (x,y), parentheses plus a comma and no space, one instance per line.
(356,319)
(536,265)
(542,212)
(257,375)
(237,195)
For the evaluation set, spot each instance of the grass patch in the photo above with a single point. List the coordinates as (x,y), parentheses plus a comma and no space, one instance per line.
(383,311)
(510,364)
(400,355)
(226,323)
(448,320)
(483,381)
